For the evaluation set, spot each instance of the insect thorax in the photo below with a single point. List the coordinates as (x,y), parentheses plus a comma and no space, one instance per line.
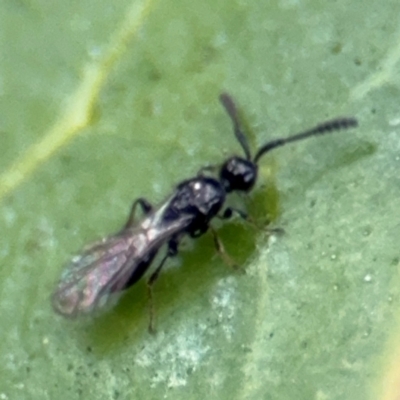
(201,197)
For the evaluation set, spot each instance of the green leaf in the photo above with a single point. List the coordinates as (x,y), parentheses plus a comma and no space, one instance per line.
(104,102)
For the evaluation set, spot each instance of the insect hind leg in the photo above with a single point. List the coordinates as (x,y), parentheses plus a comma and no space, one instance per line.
(144,205)
(171,252)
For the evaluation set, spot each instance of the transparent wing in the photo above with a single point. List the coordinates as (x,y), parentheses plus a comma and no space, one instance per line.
(106,266)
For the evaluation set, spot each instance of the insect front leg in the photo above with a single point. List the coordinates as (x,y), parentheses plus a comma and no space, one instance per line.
(144,205)
(171,252)
(229,212)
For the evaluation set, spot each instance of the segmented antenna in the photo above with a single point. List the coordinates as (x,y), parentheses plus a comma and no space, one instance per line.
(321,129)
(231,109)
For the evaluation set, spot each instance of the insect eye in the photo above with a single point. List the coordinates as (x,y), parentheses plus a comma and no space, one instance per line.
(238,174)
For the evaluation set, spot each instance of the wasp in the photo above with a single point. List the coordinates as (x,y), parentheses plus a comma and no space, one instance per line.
(120,260)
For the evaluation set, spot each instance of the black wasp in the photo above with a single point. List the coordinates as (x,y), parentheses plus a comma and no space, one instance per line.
(120,260)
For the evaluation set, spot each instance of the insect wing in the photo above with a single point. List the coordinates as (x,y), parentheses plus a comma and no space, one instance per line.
(89,274)
(106,266)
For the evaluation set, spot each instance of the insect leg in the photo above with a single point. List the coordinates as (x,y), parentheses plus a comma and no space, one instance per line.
(222,252)
(201,230)
(144,205)
(229,211)
(171,252)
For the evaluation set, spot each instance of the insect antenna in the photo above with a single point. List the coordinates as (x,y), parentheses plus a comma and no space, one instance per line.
(231,109)
(321,129)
